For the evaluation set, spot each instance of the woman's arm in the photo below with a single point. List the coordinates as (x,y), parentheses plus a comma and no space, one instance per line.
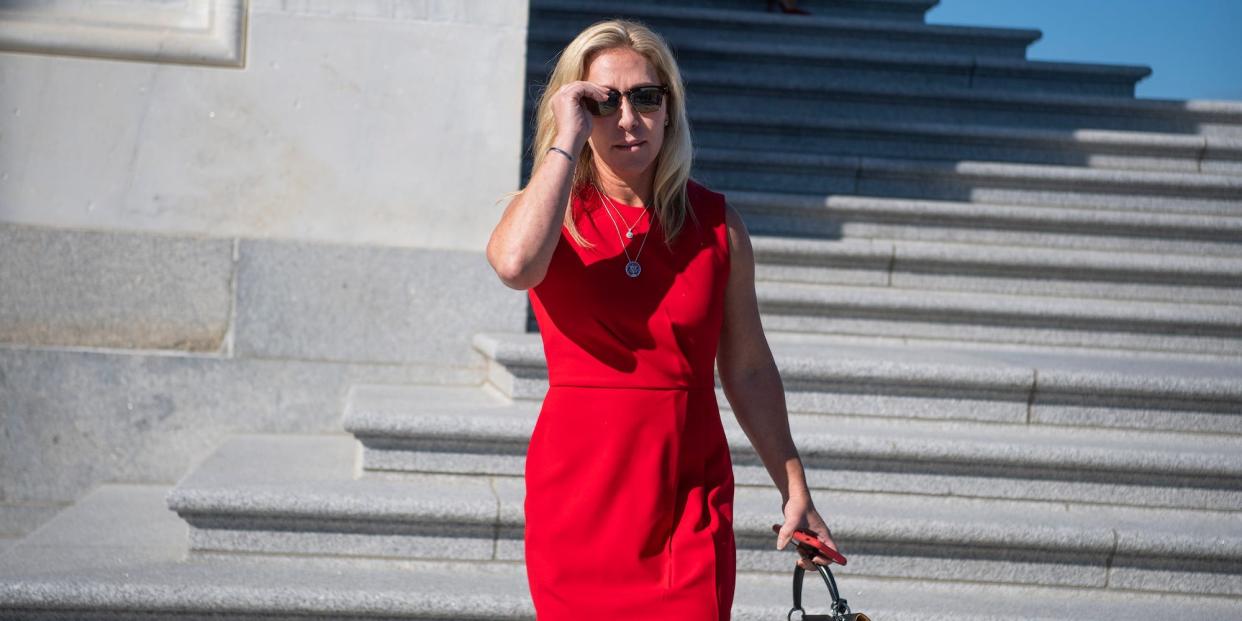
(522,243)
(748,372)
(753,387)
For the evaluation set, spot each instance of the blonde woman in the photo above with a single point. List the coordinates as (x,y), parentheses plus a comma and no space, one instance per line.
(640,278)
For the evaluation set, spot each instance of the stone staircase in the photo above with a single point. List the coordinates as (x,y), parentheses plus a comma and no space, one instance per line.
(1005,298)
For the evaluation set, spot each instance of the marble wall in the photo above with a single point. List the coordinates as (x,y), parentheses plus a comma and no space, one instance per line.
(218,215)
(392,122)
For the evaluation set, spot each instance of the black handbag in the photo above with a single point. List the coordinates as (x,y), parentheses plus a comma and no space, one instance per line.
(840,609)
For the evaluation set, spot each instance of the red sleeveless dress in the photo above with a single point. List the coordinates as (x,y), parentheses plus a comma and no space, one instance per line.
(629,483)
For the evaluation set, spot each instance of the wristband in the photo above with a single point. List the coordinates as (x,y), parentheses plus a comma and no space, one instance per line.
(562,152)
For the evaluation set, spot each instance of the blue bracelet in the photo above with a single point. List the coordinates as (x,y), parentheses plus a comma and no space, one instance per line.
(562,152)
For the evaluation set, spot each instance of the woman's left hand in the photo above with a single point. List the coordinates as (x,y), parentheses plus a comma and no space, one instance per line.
(800,513)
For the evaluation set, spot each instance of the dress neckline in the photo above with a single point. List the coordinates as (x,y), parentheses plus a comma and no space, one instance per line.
(615,202)
(594,197)
(640,219)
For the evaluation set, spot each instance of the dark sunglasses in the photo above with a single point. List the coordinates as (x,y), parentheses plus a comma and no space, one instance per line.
(645,99)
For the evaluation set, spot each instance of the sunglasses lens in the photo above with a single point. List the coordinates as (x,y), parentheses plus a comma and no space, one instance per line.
(647,99)
(603,108)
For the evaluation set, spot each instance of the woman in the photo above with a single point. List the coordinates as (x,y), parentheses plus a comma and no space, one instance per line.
(639,277)
(786,6)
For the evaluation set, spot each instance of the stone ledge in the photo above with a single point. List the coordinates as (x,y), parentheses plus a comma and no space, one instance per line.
(272,495)
(825,24)
(67,287)
(721,91)
(1091,148)
(1032,178)
(938,379)
(843,216)
(1030,262)
(147,573)
(367,304)
(205,32)
(74,419)
(467,430)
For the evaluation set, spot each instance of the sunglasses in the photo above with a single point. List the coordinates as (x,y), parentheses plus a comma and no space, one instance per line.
(645,99)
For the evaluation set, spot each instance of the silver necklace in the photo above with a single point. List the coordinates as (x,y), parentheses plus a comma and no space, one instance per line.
(632,268)
(629,228)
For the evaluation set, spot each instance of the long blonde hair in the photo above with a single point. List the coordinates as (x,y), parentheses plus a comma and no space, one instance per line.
(672,163)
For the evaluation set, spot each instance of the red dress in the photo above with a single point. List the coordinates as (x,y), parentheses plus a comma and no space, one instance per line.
(629,483)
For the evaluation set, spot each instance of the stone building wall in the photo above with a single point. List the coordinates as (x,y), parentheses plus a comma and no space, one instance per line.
(217,215)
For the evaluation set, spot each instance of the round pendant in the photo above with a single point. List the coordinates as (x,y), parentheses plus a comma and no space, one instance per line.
(629,234)
(632,269)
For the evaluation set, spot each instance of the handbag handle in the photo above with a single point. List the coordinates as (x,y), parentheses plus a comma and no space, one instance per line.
(840,609)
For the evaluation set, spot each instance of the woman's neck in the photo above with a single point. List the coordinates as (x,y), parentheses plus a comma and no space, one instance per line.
(627,192)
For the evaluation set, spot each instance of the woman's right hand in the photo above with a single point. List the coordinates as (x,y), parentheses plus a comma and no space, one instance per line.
(573,120)
(800,513)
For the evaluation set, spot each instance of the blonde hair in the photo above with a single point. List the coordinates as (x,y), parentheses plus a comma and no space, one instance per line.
(672,163)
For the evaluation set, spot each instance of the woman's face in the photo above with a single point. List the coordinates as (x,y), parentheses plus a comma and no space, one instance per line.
(623,69)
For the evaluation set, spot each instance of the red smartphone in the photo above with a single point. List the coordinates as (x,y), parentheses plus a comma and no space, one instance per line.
(810,542)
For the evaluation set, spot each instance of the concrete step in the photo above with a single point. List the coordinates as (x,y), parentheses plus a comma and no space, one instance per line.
(1013,270)
(907,11)
(475,431)
(862,67)
(120,553)
(999,318)
(942,379)
(687,24)
(817,216)
(718,91)
(1083,147)
(724,92)
(18,518)
(983,182)
(298,495)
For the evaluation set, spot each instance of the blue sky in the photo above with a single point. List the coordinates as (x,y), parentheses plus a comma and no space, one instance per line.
(1194,47)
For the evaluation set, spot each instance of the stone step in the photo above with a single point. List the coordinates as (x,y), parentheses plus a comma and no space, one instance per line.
(1084,147)
(999,318)
(892,10)
(289,494)
(983,182)
(476,431)
(680,23)
(1014,270)
(940,379)
(723,92)
(838,216)
(718,91)
(119,552)
(20,517)
(863,67)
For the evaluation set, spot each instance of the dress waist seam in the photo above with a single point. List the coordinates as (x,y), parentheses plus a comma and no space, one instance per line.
(636,387)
